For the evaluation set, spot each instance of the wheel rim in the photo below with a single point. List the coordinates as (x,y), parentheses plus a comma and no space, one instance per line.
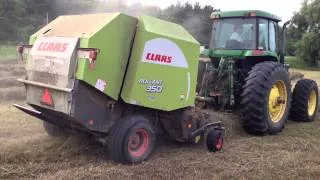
(219,142)
(312,102)
(277,101)
(138,143)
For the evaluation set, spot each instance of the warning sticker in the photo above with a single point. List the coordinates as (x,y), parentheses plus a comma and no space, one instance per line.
(101,84)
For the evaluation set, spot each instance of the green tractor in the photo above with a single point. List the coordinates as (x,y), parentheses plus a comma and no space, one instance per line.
(247,70)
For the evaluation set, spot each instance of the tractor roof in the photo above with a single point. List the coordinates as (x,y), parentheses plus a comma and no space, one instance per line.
(245,13)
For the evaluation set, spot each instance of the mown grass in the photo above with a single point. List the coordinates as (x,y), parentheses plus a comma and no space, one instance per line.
(27,152)
(297,63)
(8,52)
(314,75)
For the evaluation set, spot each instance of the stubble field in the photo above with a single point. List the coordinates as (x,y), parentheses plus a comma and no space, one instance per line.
(26,151)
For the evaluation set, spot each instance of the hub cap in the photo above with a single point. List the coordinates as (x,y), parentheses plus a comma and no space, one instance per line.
(277,101)
(219,142)
(138,143)
(312,103)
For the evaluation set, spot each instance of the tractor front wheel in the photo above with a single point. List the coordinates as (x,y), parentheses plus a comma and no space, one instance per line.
(266,98)
(305,101)
(131,140)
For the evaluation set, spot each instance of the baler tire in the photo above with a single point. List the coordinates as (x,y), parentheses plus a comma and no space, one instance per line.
(119,139)
(262,81)
(53,130)
(214,140)
(301,101)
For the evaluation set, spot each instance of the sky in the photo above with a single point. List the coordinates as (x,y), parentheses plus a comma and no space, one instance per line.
(282,8)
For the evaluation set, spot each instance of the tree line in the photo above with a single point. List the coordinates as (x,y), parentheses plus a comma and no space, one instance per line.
(20,18)
(303,36)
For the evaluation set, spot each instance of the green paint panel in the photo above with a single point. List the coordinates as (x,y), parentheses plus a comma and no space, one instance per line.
(245,13)
(163,67)
(114,42)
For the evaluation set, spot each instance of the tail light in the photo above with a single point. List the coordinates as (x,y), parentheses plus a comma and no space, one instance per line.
(93,55)
(20,49)
(257,53)
(23,50)
(89,54)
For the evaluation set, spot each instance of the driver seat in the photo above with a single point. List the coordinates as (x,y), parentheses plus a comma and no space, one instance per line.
(233,44)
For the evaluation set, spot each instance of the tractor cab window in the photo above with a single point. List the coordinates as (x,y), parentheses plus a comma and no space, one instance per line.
(263,34)
(272,36)
(234,33)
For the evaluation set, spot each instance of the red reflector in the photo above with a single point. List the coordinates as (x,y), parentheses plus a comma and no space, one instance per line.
(20,49)
(47,98)
(257,52)
(93,55)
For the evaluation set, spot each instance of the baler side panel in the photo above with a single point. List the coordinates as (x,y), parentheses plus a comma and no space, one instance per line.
(114,42)
(168,84)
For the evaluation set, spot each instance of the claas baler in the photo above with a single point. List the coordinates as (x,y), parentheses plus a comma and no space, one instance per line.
(118,79)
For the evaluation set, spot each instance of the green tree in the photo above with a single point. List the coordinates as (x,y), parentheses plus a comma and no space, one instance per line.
(307,22)
(20,18)
(11,12)
(294,34)
(194,18)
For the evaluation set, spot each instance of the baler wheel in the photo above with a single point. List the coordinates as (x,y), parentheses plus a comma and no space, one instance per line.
(266,98)
(305,101)
(215,140)
(131,140)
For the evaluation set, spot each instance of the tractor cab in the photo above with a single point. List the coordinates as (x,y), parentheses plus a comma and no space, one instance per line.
(244,34)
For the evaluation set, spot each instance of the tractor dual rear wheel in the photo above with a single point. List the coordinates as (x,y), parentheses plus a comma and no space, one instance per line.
(305,101)
(266,98)
(131,140)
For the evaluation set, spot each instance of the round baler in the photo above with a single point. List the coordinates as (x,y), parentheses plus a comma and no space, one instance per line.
(118,79)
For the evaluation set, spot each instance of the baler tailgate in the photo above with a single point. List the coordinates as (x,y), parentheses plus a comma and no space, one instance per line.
(51,61)
(50,72)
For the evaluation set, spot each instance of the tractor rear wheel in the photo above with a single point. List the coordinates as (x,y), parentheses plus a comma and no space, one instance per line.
(305,101)
(131,140)
(266,98)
